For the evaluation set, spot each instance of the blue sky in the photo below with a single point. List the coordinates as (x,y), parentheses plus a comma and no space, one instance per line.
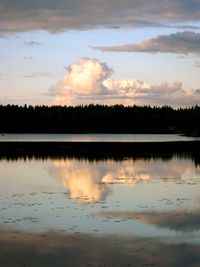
(129,52)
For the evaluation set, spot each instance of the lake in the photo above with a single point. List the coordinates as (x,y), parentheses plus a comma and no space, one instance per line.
(70,212)
(97,137)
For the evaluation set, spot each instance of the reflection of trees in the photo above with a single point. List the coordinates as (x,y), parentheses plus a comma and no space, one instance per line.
(90,181)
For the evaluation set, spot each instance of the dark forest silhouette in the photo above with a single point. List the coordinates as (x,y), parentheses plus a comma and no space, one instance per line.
(99,119)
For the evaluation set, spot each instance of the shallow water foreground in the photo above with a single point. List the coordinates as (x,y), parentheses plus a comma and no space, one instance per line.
(71,212)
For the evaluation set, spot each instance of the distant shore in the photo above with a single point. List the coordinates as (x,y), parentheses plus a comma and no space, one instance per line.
(100,119)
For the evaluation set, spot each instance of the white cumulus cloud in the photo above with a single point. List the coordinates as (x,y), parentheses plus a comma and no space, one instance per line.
(89,81)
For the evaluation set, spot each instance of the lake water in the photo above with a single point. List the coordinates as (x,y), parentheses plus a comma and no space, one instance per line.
(97,137)
(70,212)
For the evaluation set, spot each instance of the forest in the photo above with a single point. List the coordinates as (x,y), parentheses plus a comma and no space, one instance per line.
(100,119)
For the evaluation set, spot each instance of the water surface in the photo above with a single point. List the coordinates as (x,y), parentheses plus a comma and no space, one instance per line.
(97,137)
(70,212)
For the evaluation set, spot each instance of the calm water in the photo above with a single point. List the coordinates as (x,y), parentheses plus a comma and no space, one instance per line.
(97,137)
(67,212)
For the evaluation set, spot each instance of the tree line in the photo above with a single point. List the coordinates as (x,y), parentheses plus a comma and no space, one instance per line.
(99,119)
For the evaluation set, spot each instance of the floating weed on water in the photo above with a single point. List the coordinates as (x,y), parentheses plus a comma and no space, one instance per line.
(42,235)
(33,193)
(17,195)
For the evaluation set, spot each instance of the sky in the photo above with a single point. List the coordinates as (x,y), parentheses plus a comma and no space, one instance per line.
(72,52)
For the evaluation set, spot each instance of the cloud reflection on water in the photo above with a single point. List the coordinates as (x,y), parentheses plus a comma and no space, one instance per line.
(80,181)
(178,220)
(90,181)
(52,249)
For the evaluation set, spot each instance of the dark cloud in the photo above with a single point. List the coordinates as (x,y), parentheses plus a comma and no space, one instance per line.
(18,15)
(2,36)
(180,220)
(184,43)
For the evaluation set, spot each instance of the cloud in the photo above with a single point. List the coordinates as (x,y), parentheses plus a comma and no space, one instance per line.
(183,43)
(3,36)
(38,75)
(89,81)
(197,64)
(197,91)
(28,99)
(55,16)
(5,74)
(32,43)
(27,58)
(83,80)
(180,220)
(86,77)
